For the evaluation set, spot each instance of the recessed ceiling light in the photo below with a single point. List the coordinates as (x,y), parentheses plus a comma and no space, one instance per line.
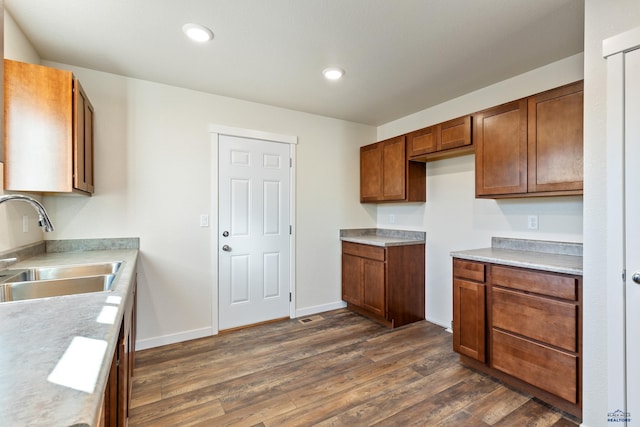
(333,73)
(197,32)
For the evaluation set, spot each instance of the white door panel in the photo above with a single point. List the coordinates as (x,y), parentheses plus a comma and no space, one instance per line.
(254,185)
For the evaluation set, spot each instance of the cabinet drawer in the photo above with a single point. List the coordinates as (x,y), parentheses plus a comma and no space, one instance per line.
(469,270)
(422,141)
(546,368)
(555,285)
(543,319)
(455,133)
(364,251)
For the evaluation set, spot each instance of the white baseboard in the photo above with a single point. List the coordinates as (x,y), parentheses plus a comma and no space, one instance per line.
(205,332)
(173,338)
(439,323)
(320,308)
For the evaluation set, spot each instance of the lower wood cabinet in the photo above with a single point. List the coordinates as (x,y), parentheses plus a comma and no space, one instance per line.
(117,395)
(384,283)
(469,309)
(522,326)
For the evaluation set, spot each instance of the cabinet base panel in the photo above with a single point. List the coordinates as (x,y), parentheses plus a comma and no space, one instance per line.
(382,320)
(563,405)
(370,315)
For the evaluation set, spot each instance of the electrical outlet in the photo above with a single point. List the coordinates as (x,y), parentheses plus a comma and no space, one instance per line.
(532,222)
(392,219)
(204,220)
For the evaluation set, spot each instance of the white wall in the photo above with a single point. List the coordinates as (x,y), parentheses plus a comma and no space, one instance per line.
(603,19)
(452,217)
(16,44)
(153,166)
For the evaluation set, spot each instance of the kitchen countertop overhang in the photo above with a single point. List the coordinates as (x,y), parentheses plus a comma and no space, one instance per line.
(382,237)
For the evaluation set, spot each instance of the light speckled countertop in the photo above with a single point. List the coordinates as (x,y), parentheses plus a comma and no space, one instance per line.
(34,334)
(558,257)
(382,237)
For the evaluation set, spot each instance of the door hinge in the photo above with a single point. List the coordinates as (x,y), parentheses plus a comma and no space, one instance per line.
(290,162)
(624,275)
(291,229)
(289,296)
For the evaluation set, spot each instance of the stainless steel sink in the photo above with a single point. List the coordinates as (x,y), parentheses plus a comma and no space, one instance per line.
(52,281)
(58,272)
(30,289)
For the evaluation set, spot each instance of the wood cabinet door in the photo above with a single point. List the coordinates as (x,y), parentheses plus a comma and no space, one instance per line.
(351,279)
(38,101)
(394,166)
(83,140)
(500,135)
(373,286)
(555,139)
(371,173)
(469,319)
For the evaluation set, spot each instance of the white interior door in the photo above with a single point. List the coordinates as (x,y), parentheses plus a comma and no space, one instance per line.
(632,231)
(254,228)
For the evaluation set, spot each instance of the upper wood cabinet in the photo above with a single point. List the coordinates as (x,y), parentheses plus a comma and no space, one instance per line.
(387,176)
(448,139)
(500,134)
(531,147)
(48,131)
(555,138)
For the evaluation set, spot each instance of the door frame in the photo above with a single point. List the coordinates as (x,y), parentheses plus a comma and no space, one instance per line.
(215,131)
(613,50)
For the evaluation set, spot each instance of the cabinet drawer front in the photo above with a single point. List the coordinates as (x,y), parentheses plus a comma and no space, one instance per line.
(546,368)
(469,270)
(554,285)
(455,133)
(422,141)
(364,251)
(550,321)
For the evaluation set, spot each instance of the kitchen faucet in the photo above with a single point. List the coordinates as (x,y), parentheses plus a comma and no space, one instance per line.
(43,219)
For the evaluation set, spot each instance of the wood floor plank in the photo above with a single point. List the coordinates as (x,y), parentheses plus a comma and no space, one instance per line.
(438,407)
(531,413)
(339,369)
(377,409)
(337,403)
(489,409)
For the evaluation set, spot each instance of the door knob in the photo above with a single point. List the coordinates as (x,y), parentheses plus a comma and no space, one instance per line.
(636,277)
(225,233)
(226,248)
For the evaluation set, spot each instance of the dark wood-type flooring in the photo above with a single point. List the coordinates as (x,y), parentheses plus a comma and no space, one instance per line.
(339,369)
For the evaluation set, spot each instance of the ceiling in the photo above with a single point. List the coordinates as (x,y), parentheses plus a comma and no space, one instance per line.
(400,56)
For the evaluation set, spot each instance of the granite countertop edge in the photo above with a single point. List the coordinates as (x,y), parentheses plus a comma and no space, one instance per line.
(556,263)
(27,396)
(382,237)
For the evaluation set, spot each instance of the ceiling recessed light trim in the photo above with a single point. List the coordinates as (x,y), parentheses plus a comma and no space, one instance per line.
(333,73)
(198,33)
